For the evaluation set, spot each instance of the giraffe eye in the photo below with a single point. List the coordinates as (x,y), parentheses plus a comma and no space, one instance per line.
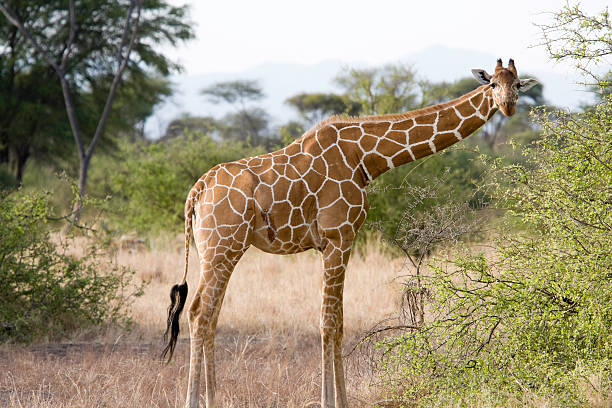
(493,84)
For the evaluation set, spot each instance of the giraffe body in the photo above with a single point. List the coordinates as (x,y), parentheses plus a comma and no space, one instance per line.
(308,195)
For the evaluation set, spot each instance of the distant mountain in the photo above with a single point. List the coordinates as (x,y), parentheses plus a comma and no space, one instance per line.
(281,81)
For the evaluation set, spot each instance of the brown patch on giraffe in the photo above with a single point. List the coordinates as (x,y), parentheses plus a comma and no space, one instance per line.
(359,176)
(319,165)
(237,200)
(476,99)
(403,125)
(301,232)
(263,195)
(311,146)
(223,206)
(401,158)
(338,170)
(309,206)
(470,125)
(465,109)
(348,147)
(296,192)
(368,142)
(284,235)
(219,193)
(263,166)
(421,150)
(443,140)
(296,217)
(341,208)
(225,231)
(234,169)
(327,136)
(292,149)
(376,128)
(350,133)
(388,147)
(426,119)
(350,192)
(353,213)
(342,124)
(292,173)
(313,180)
(484,108)
(448,120)
(491,113)
(360,219)
(300,161)
(399,137)
(375,164)
(280,159)
(330,191)
(281,187)
(347,232)
(281,214)
(420,134)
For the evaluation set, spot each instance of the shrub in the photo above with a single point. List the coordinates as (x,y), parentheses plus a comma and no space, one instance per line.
(44,290)
(153,182)
(536,319)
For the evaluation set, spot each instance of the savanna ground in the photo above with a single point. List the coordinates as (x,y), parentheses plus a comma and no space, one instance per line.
(267,344)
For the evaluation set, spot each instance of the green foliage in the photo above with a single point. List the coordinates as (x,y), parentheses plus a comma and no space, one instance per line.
(44,290)
(315,107)
(537,320)
(151,186)
(580,38)
(460,169)
(250,123)
(32,111)
(389,89)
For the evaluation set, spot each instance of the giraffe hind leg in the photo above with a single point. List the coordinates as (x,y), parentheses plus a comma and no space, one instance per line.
(218,257)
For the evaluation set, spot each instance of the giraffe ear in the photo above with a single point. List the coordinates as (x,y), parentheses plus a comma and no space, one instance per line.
(527,84)
(482,76)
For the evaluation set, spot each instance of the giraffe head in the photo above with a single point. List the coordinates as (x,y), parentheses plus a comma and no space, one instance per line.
(505,85)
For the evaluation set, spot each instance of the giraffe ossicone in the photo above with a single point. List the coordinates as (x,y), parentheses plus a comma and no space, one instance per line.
(312,195)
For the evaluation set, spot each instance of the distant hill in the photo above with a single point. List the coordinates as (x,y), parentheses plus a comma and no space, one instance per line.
(281,81)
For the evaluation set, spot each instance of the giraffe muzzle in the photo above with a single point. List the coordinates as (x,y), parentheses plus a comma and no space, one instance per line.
(508,109)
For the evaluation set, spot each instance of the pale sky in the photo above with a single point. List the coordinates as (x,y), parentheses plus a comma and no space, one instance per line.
(234,35)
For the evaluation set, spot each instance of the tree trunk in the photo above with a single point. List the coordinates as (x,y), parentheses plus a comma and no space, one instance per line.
(22,158)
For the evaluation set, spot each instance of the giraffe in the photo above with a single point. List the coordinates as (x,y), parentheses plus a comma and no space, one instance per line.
(312,195)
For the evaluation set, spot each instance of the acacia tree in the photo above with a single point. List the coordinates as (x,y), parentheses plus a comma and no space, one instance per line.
(89,46)
(389,89)
(249,122)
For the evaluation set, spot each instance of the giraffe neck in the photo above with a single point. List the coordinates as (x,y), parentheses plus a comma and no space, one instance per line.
(380,143)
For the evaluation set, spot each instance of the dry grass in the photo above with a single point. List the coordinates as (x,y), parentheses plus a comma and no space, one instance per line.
(268,351)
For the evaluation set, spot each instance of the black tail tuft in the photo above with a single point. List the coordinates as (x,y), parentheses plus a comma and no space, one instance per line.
(178,296)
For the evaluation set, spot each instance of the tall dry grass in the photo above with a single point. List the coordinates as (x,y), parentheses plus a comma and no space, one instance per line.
(268,350)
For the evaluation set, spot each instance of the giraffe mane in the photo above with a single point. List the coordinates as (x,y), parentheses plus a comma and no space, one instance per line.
(393,117)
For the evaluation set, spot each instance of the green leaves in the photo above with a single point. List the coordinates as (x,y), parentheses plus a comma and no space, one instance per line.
(150,188)
(45,290)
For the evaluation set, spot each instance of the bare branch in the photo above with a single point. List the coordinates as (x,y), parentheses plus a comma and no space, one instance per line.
(122,61)
(14,20)
(72,17)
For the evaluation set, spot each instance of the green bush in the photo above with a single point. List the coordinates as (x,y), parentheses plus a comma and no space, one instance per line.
(458,171)
(45,292)
(535,320)
(152,183)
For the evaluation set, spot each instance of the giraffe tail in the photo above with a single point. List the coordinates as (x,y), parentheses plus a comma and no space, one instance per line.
(178,293)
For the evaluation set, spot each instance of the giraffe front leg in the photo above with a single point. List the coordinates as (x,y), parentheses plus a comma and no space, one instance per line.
(341,400)
(333,391)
